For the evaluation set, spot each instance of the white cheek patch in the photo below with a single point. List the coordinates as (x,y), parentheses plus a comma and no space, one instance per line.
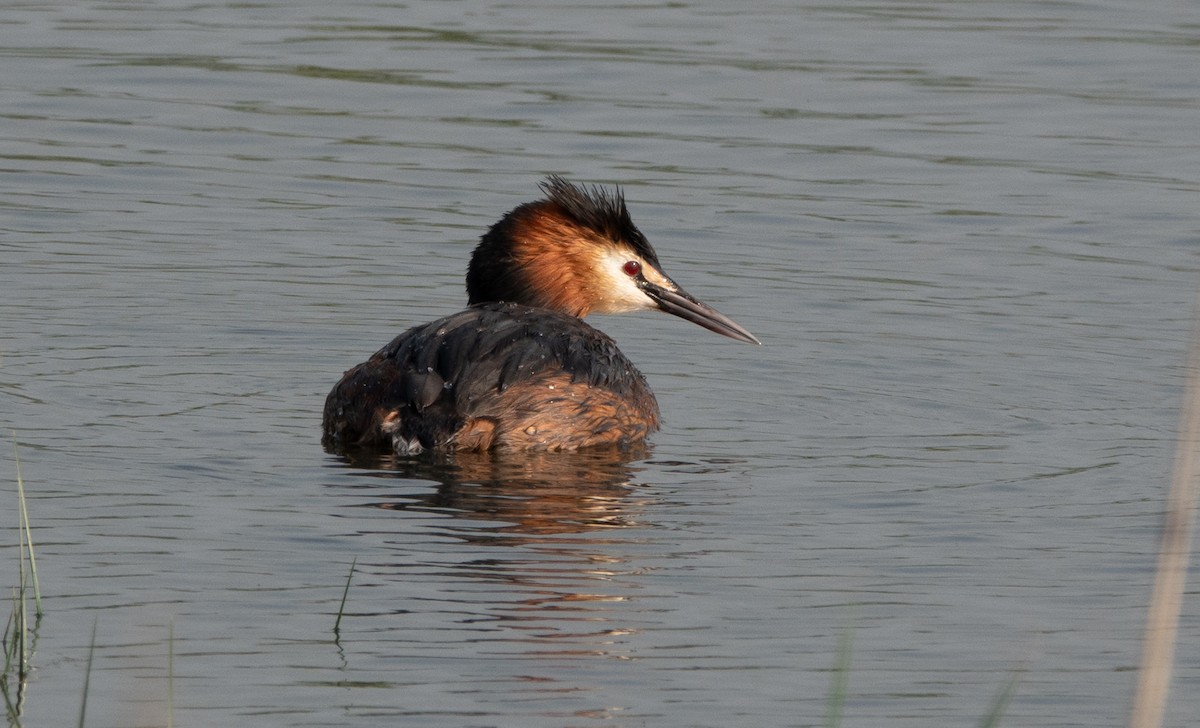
(620,291)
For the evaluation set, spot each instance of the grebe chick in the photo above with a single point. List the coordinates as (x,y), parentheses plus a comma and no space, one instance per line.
(519,369)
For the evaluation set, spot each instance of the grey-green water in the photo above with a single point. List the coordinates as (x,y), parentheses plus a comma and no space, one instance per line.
(965,232)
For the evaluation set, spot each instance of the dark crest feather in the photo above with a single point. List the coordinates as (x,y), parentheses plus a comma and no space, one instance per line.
(600,210)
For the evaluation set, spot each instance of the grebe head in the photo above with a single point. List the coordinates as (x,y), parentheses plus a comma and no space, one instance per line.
(578,252)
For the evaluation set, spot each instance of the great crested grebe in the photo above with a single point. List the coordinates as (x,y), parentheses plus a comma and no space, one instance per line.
(519,369)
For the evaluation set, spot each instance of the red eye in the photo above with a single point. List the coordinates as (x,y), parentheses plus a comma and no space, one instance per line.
(632,268)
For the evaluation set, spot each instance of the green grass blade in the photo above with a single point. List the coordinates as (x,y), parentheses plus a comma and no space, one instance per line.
(10,634)
(991,719)
(841,679)
(87,675)
(21,617)
(337,625)
(28,540)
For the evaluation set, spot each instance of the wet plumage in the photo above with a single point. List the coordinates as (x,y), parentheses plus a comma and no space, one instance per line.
(519,369)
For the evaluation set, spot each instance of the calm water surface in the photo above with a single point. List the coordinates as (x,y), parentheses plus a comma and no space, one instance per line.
(965,233)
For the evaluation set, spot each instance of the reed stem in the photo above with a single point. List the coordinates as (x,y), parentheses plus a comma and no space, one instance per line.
(1162,617)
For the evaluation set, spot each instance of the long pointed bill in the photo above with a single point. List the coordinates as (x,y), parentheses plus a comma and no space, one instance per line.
(681,304)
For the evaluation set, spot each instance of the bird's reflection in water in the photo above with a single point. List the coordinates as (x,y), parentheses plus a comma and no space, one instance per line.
(543,545)
(534,494)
